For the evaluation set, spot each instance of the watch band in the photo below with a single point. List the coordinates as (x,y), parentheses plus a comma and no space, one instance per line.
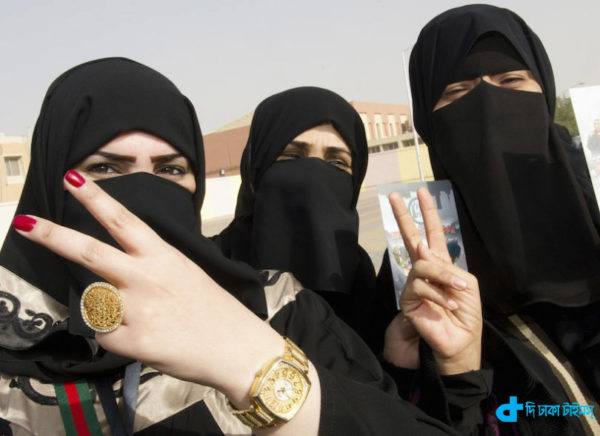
(257,415)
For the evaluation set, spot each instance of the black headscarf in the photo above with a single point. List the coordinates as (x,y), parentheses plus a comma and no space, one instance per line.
(300,215)
(528,229)
(83,109)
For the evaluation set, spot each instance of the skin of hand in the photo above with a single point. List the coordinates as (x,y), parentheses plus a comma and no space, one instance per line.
(440,302)
(176,319)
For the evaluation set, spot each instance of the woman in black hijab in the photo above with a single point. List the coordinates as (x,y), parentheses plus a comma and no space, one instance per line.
(299,215)
(182,315)
(483,96)
(88,110)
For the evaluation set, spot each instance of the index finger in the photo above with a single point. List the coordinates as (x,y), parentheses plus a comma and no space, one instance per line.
(103,259)
(434,229)
(130,232)
(410,234)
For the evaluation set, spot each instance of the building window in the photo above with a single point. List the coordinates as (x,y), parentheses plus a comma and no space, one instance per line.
(14,168)
(392,125)
(390,146)
(365,119)
(411,142)
(374,149)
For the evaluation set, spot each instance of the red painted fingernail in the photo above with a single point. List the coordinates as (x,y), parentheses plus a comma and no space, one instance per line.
(74,178)
(24,223)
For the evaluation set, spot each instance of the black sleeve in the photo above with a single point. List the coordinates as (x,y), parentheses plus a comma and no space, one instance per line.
(384,304)
(465,394)
(358,397)
(457,399)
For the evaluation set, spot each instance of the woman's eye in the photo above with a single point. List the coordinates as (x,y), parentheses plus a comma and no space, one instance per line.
(290,155)
(171,170)
(339,163)
(102,168)
(510,80)
(453,91)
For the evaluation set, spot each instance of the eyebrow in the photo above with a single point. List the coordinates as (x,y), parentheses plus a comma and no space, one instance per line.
(328,149)
(165,158)
(116,157)
(132,159)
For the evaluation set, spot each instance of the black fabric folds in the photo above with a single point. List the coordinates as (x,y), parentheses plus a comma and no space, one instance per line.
(322,203)
(529,232)
(300,216)
(83,109)
(529,224)
(446,40)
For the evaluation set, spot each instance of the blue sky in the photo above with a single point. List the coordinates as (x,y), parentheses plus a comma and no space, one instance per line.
(227,55)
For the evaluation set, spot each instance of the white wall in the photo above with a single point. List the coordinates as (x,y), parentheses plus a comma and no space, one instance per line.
(7,212)
(221,196)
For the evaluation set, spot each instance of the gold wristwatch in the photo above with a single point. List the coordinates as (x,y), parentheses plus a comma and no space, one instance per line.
(279,390)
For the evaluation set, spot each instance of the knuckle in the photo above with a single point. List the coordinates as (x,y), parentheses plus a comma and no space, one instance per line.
(121,220)
(46,231)
(448,277)
(419,265)
(419,287)
(91,252)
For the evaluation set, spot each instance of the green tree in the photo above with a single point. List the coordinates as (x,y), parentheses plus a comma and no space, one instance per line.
(565,116)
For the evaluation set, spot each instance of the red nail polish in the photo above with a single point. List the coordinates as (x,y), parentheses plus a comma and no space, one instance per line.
(24,223)
(74,178)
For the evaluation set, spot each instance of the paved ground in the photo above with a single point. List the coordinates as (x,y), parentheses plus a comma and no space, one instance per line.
(371,236)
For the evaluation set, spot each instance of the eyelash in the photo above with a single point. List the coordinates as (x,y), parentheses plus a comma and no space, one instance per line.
(109,168)
(170,168)
(291,155)
(332,161)
(510,80)
(338,163)
(102,168)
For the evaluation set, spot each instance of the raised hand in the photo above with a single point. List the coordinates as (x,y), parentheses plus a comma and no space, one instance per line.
(440,302)
(176,318)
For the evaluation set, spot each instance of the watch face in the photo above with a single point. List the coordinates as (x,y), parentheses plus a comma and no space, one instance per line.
(283,390)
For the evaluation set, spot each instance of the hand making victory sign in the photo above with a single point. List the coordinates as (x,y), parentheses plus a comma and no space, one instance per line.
(440,302)
(176,318)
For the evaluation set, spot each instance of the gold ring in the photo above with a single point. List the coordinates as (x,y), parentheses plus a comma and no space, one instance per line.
(102,307)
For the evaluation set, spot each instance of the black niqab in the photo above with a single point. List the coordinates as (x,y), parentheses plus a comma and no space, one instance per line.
(529,232)
(300,215)
(83,109)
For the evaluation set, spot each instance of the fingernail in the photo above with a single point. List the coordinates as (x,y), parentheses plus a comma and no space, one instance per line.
(24,223)
(74,178)
(458,283)
(452,305)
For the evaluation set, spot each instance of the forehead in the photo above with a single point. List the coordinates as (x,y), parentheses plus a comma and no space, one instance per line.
(323,135)
(138,143)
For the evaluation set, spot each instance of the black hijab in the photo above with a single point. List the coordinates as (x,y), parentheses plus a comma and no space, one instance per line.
(528,229)
(300,215)
(85,108)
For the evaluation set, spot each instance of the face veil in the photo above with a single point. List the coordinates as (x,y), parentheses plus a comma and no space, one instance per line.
(528,229)
(300,215)
(87,106)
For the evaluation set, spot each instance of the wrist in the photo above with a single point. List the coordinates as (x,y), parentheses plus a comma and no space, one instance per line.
(466,361)
(278,391)
(246,367)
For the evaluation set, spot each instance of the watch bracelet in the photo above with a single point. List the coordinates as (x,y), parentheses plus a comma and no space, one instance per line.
(255,416)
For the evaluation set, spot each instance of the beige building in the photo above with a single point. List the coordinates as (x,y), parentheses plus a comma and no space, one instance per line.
(14,154)
(392,155)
